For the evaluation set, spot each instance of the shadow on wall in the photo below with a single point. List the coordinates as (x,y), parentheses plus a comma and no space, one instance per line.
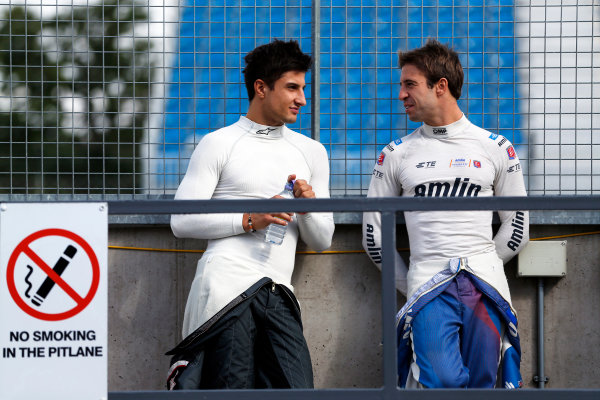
(340,297)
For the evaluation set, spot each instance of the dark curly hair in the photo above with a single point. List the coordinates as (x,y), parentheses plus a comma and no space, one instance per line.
(270,61)
(436,61)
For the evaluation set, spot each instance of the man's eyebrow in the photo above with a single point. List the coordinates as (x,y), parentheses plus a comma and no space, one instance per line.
(293,84)
(408,81)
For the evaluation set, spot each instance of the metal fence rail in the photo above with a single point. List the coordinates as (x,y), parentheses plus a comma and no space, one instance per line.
(388,208)
(363,394)
(359,204)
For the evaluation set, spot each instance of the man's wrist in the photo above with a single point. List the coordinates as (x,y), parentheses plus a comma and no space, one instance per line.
(245,222)
(250,223)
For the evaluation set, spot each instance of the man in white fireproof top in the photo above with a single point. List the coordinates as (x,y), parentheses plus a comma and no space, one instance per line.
(242,326)
(458,322)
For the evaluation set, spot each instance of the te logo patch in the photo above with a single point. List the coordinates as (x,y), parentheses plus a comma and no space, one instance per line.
(514,168)
(426,164)
(377,174)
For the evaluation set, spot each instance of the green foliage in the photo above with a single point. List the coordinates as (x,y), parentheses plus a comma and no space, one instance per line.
(74,98)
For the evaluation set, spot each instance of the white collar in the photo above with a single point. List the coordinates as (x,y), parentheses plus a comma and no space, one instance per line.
(446,131)
(266,131)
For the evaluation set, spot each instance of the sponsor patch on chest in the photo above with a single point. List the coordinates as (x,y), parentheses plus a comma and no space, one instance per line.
(459,163)
(461,187)
(464,163)
(426,164)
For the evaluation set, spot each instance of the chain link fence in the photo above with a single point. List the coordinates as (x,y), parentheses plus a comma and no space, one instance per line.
(108,98)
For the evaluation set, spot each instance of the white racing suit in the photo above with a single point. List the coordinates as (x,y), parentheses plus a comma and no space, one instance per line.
(458,160)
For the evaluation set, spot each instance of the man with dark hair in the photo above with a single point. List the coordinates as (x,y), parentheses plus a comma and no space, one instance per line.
(268,63)
(458,322)
(242,326)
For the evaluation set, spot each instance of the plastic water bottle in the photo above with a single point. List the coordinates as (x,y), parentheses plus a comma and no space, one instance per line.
(276,232)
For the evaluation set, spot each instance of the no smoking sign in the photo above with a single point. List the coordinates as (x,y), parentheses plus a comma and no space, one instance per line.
(53,300)
(53,274)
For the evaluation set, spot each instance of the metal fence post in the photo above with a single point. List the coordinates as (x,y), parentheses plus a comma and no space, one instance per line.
(388,241)
(315,92)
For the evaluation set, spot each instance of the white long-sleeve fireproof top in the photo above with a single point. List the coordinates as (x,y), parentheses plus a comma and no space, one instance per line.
(247,161)
(458,160)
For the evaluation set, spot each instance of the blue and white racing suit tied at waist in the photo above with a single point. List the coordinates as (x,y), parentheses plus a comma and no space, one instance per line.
(487,267)
(430,278)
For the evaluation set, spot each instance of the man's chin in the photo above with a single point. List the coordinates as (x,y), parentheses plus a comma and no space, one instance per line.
(415,118)
(290,120)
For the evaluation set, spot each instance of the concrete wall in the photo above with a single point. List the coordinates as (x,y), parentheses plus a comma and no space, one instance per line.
(340,300)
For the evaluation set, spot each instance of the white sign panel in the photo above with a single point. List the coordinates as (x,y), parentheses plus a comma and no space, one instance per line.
(53,300)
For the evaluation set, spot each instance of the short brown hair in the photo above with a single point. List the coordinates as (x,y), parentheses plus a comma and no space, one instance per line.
(436,61)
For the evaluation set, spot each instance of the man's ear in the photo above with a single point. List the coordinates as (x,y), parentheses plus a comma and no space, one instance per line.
(260,88)
(441,86)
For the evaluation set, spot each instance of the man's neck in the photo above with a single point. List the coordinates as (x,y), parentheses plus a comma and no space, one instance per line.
(256,115)
(447,115)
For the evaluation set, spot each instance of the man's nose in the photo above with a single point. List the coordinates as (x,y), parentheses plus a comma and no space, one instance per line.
(301,99)
(402,95)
